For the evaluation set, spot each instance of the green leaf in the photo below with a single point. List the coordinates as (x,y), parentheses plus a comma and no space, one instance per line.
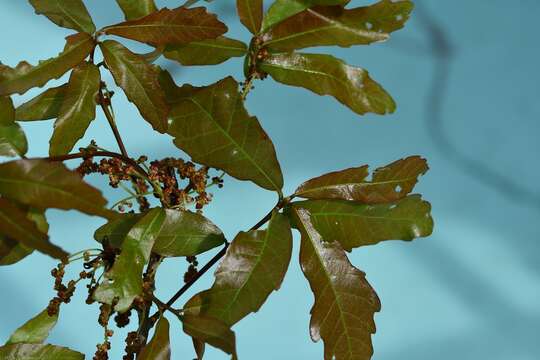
(71,14)
(200,347)
(25,76)
(166,26)
(389,183)
(212,125)
(44,106)
(250,13)
(345,303)
(124,281)
(183,233)
(211,331)
(38,351)
(34,331)
(159,348)
(334,25)
(7,111)
(12,251)
(327,75)
(283,9)
(116,230)
(12,139)
(15,225)
(135,9)
(206,52)
(77,110)
(139,80)
(45,184)
(254,266)
(354,224)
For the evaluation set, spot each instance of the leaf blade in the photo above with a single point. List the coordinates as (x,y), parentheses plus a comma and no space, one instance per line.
(389,183)
(211,331)
(362,225)
(265,256)
(12,138)
(35,330)
(15,224)
(250,13)
(177,26)
(213,127)
(78,108)
(159,348)
(327,75)
(44,106)
(71,14)
(284,9)
(123,282)
(44,184)
(25,76)
(38,351)
(139,81)
(135,9)
(345,303)
(334,25)
(12,251)
(206,52)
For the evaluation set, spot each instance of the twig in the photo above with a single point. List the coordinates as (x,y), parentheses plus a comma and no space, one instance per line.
(85,155)
(103,102)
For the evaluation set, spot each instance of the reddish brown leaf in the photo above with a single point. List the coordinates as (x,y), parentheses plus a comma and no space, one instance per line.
(166,26)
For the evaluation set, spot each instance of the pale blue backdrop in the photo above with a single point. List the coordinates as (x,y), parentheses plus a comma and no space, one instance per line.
(465,76)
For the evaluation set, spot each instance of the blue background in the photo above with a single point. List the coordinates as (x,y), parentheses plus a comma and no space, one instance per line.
(470,291)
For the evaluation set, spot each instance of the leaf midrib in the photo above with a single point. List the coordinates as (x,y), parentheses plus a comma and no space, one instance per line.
(241,149)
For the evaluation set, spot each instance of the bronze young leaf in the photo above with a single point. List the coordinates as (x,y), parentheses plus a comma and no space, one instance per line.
(334,25)
(250,13)
(283,9)
(389,183)
(166,26)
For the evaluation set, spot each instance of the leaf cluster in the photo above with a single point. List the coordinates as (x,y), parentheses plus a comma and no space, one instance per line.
(333,213)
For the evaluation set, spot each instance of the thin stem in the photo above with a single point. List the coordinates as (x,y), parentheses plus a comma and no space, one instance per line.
(85,155)
(110,117)
(119,202)
(247,87)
